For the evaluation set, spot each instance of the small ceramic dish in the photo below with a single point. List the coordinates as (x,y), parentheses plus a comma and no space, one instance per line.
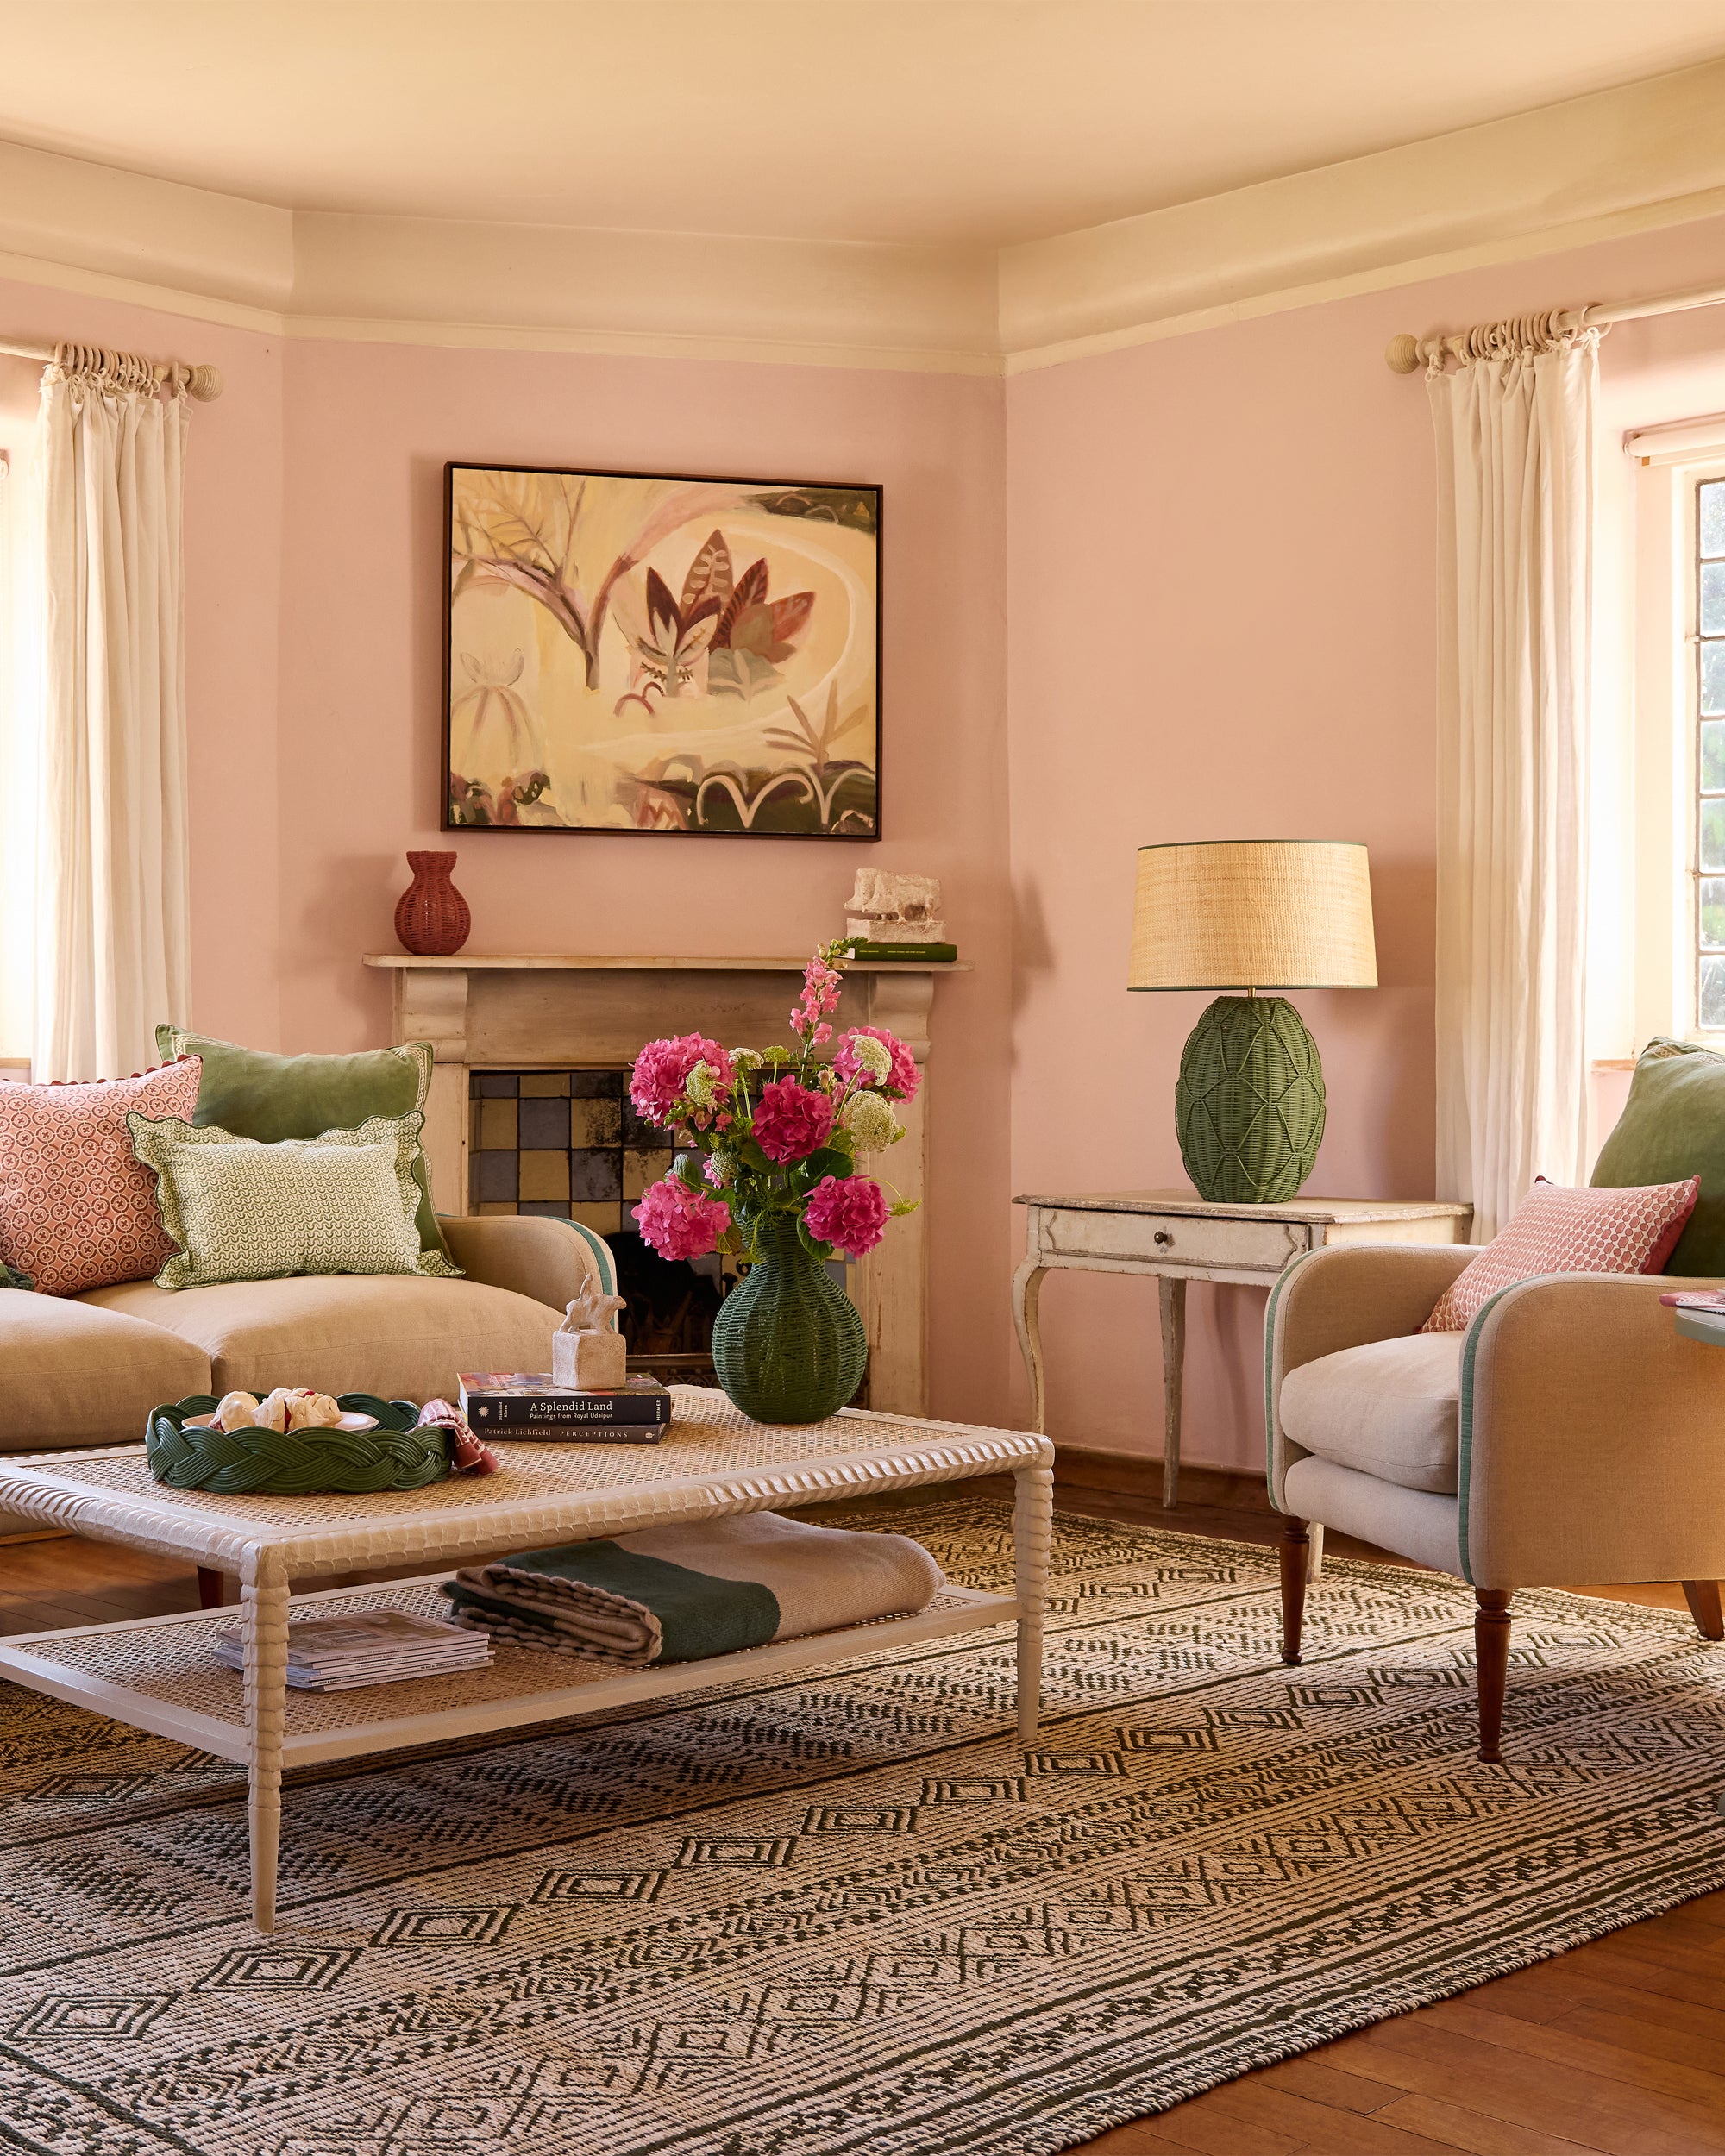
(351,1424)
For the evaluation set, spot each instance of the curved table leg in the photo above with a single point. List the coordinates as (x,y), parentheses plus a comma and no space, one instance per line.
(1026,1293)
(265,1664)
(1032,1517)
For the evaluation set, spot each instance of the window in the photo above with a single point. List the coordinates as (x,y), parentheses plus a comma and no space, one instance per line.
(20,395)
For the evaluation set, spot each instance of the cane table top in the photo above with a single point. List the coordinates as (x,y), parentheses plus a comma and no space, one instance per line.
(712,1461)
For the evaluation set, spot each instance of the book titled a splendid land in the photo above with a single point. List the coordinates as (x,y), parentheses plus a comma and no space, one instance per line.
(526,1404)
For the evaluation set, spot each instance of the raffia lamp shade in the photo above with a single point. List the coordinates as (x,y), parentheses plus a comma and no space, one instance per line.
(1253,913)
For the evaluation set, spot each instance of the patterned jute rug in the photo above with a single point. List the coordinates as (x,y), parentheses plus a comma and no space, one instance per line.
(845,1912)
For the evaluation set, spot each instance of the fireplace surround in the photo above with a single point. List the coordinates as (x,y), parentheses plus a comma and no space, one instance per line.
(524,1014)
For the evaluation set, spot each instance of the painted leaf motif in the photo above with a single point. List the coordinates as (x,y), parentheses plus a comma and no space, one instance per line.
(752,630)
(661,608)
(710,575)
(751,591)
(790,616)
(695,638)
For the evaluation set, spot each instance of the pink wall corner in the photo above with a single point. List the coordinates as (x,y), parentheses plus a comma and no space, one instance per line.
(1220,579)
(369,430)
(233,530)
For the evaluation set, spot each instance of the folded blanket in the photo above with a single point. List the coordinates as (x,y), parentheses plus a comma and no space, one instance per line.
(680,1594)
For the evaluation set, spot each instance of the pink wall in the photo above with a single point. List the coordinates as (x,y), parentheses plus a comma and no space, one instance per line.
(1220,577)
(369,430)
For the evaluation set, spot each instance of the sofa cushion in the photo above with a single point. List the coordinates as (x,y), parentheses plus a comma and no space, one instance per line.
(1672,1125)
(398,1335)
(1388,1409)
(76,1374)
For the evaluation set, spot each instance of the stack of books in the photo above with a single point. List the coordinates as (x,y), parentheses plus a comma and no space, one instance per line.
(375,1646)
(525,1404)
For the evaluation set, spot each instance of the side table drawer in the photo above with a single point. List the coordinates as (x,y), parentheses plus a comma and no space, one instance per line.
(1263,1246)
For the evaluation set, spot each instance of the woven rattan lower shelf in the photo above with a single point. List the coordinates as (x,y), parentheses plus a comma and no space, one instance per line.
(158,1673)
(712,1464)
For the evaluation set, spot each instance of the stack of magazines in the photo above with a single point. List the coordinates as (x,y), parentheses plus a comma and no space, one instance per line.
(373,1646)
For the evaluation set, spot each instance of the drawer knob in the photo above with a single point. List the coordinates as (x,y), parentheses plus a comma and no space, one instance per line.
(1163,1237)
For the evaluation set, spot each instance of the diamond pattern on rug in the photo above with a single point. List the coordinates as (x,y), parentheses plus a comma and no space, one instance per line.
(841,1913)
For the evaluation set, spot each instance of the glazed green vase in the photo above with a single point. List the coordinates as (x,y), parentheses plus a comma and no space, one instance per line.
(1249,1106)
(788,1344)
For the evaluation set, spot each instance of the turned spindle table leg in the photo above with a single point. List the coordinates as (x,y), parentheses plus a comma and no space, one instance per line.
(1032,1518)
(265,1664)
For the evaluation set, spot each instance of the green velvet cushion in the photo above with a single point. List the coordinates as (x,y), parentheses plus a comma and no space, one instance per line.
(1672,1126)
(249,1093)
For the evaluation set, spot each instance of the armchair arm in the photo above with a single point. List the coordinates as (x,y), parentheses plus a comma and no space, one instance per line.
(549,1260)
(1592,1436)
(1343,1297)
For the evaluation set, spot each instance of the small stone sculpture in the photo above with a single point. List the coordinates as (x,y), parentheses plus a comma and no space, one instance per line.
(588,1354)
(885,908)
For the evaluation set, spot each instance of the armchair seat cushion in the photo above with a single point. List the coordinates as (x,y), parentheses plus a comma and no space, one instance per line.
(1389,1409)
(396,1334)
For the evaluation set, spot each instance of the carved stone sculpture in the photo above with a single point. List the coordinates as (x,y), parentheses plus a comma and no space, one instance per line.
(588,1354)
(886,908)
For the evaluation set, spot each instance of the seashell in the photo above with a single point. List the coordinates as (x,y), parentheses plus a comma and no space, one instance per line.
(307,1410)
(236,1410)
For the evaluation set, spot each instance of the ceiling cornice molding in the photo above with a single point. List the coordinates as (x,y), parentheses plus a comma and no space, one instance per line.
(1649,154)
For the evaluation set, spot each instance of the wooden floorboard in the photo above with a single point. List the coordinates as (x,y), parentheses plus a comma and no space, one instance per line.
(1616,2048)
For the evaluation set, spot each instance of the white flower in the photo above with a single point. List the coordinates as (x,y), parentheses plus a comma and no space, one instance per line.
(870,1121)
(873,1056)
(743,1060)
(700,1085)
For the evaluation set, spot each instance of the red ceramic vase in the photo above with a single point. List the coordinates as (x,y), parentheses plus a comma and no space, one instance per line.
(431,916)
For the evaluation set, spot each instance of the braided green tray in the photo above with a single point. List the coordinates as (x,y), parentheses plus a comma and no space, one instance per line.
(397,1455)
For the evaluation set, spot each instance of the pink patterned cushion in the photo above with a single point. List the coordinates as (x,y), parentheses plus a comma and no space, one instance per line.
(78,1209)
(1558,1230)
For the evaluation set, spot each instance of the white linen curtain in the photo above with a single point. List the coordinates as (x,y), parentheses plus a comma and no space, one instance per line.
(1516,494)
(113,941)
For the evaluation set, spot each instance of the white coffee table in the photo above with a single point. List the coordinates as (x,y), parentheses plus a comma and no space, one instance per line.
(159,1674)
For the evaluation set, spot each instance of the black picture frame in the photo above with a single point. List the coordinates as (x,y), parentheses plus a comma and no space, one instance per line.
(838,811)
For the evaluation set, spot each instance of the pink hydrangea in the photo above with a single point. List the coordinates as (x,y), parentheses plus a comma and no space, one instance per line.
(849,1212)
(791,1121)
(662,1071)
(903,1080)
(679,1222)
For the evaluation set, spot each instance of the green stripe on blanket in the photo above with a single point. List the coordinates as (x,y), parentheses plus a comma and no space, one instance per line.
(698,1615)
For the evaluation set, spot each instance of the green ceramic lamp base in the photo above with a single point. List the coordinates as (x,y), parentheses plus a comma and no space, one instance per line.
(1249,1106)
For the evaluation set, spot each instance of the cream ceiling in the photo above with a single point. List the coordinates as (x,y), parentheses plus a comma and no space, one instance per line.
(977,122)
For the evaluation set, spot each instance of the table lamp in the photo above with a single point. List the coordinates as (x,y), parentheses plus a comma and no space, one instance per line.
(1252,913)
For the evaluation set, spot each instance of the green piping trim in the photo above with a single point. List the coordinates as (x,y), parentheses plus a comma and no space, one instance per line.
(600,1250)
(1465,1411)
(1282,1279)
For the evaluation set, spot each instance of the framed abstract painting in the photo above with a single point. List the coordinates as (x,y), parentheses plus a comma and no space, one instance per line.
(635,652)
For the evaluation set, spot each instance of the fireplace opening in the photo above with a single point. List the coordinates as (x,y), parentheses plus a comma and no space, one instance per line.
(568,1145)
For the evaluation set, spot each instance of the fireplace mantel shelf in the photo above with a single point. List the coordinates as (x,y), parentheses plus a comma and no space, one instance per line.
(472,962)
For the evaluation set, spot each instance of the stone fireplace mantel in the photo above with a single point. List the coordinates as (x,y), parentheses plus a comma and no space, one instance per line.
(526,1013)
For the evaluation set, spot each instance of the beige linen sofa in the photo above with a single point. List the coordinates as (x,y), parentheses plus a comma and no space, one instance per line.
(1570,1435)
(86,1369)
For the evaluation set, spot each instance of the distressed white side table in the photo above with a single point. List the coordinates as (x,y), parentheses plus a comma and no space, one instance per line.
(1173,1236)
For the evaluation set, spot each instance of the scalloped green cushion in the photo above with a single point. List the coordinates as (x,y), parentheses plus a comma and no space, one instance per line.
(241,1209)
(1674,1126)
(251,1093)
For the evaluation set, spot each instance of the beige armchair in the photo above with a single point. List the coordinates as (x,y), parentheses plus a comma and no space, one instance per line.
(1569,1434)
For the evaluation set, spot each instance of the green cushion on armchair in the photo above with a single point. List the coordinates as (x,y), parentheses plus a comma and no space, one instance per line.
(1672,1126)
(250,1094)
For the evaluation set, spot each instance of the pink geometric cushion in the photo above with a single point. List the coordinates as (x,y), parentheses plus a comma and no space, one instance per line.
(78,1209)
(1558,1229)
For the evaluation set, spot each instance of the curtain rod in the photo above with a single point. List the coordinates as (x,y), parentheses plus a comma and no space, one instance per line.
(1407,355)
(204,383)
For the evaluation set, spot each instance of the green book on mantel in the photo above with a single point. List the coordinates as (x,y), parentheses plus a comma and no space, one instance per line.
(908,953)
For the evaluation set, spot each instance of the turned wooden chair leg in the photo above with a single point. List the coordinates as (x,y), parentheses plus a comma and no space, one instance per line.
(1491,1653)
(1295,1541)
(1703,1597)
(209,1587)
